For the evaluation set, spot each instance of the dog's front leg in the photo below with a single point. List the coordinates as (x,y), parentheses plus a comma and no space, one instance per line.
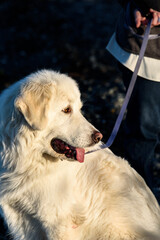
(22,226)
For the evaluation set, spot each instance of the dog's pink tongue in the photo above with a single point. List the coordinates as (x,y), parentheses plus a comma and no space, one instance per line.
(80,154)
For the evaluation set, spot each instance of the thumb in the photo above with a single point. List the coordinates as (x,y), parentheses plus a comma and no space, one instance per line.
(138,18)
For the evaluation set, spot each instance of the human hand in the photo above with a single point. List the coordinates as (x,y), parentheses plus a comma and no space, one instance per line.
(139,19)
(156,17)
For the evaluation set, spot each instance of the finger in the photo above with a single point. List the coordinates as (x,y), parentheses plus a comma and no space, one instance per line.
(151,10)
(155,19)
(138,18)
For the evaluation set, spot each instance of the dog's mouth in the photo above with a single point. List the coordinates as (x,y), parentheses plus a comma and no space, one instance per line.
(69,151)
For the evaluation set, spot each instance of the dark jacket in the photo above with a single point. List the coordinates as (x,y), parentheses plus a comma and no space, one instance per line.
(124,36)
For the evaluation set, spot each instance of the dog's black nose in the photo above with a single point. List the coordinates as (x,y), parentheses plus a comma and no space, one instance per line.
(97,136)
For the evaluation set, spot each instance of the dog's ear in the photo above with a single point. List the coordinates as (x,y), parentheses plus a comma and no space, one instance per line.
(33,104)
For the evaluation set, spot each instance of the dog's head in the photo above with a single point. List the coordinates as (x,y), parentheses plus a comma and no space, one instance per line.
(50,107)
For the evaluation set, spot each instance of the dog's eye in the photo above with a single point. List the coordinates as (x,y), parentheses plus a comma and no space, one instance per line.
(67,110)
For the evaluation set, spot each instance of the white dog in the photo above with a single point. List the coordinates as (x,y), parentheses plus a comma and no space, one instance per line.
(48,189)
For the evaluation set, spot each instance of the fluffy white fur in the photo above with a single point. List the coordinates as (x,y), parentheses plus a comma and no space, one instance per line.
(46,196)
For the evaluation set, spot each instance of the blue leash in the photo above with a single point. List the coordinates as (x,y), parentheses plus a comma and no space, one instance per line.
(129,91)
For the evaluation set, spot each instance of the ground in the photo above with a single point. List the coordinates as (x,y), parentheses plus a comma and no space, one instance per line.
(67,36)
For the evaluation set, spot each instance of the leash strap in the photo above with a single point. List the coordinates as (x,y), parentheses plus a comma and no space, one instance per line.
(129,91)
(130,88)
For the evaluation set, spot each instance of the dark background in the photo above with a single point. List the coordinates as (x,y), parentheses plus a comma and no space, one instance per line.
(68,36)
